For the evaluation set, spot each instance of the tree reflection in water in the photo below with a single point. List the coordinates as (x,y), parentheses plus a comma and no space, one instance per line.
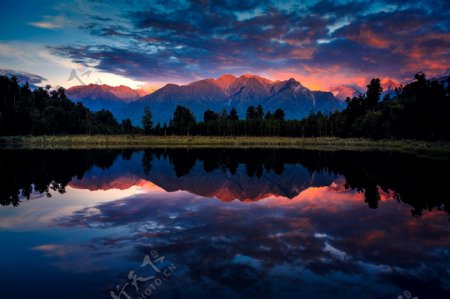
(416,181)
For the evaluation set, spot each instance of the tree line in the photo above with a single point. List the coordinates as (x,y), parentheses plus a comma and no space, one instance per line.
(48,111)
(418,110)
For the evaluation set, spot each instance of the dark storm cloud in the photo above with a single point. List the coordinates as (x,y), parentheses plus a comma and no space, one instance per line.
(397,42)
(187,39)
(351,55)
(187,42)
(121,61)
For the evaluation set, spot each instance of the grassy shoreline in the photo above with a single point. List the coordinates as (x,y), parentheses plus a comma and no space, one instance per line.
(140,141)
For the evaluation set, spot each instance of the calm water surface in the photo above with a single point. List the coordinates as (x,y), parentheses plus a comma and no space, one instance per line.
(177,223)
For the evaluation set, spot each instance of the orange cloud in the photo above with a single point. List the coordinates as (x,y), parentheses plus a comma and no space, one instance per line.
(367,37)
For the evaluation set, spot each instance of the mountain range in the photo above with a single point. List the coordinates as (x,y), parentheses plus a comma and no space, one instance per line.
(217,183)
(229,92)
(342,92)
(97,97)
(225,92)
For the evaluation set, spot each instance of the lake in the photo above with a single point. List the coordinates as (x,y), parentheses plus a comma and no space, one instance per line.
(223,223)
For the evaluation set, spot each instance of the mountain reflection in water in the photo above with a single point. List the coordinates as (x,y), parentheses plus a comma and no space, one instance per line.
(235,223)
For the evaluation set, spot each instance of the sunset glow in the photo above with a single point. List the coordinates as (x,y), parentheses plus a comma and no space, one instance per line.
(148,44)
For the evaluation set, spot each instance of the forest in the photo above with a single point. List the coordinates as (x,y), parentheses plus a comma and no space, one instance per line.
(419,110)
(47,111)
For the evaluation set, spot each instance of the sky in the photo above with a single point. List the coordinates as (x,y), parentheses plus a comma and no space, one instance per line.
(146,44)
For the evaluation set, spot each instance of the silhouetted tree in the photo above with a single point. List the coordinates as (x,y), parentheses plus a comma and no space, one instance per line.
(373,93)
(251,113)
(48,111)
(279,114)
(147,122)
(183,121)
(127,127)
(210,115)
(233,115)
(259,113)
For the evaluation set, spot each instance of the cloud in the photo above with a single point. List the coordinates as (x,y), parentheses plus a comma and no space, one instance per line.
(198,41)
(396,43)
(191,39)
(50,22)
(45,25)
(336,8)
(211,242)
(23,77)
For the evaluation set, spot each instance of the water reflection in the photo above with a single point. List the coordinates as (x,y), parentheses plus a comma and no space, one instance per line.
(247,175)
(303,224)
